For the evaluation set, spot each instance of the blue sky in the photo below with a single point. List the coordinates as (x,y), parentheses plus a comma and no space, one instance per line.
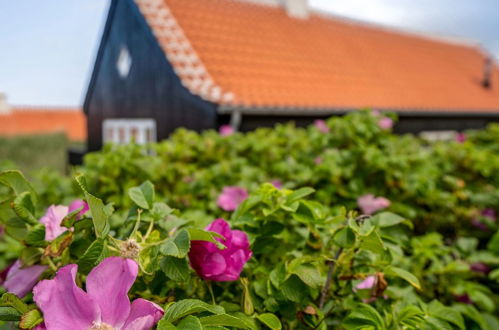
(47,48)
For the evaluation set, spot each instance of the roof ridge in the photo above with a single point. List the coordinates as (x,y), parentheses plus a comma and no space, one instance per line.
(454,40)
(181,54)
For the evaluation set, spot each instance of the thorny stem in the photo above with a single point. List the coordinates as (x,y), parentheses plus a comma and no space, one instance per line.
(329,278)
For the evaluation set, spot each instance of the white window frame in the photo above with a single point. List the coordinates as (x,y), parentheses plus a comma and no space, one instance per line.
(124,62)
(120,131)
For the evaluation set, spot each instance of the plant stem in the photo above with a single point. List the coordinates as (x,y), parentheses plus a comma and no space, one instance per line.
(330,272)
(210,289)
(137,223)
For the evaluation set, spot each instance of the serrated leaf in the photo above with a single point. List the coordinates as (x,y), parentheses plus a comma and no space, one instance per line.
(31,319)
(345,237)
(11,300)
(36,236)
(59,244)
(308,274)
(362,316)
(182,308)
(17,182)
(387,219)
(178,246)
(165,325)
(270,320)
(160,211)
(223,320)
(448,314)
(99,216)
(9,314)
(372,242)
(24,207)
(190,323)
(143,195)
(299,194)
(207,236)
(175,268)
(94,254)
(294,289)
(403,274)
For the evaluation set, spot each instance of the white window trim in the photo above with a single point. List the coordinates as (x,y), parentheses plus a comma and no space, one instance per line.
(111,130)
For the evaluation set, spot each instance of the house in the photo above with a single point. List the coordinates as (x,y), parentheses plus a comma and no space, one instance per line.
(199,64)
(31,120)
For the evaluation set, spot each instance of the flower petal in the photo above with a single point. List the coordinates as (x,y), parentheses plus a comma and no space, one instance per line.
(214,264)
(52,221)
(108,285)
(20,281)
(223,228)
(76,204)
(65,305)
(143,315)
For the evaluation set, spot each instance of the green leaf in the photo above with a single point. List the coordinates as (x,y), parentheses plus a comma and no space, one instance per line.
(23,206)
(36,236)
(9,314)
(309,274)
(177,247)
(160,211)
(223,320)
(299,194)
(165,325)
(190,323)
(345,237)
(493,244)
(403,274)
(294,289)
(99,216)
(182,308)
(11,300)
(448,314)
(207,236)
(94,254)
(31,319)
(143,195)
(372,242)
(362,316)
(175,268)
(471,313)
(17,182)
(270,320)
(387,219)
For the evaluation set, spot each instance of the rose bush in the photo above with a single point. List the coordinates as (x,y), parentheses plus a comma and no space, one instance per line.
(385,232)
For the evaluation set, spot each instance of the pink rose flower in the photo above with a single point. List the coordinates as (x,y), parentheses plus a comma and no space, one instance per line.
(318,160)
(480,267)
(460,137)
(20,281)
(385,123)
(368,283)
(54,216)
(105,305)
(214,264)
(370,204)
(489,213)
(321,126)
(231,197)
(276,183)
(225,130)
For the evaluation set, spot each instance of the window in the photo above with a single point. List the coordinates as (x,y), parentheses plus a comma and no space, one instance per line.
(124,62)
(123,131)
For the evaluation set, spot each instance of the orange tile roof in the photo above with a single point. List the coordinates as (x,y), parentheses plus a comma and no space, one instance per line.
(31,120)
(240,53)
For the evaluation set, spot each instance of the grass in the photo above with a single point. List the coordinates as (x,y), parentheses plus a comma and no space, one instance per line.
(33,152)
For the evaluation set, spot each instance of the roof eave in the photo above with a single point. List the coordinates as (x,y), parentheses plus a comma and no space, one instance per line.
(329,111)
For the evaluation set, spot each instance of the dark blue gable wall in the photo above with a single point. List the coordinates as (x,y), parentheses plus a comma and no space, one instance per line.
(151,90)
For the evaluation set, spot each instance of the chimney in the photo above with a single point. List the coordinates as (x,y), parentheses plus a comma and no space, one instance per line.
(487,73)
(4,106)
(296,8)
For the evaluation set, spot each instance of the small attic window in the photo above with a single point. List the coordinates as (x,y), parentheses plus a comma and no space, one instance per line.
(124,62)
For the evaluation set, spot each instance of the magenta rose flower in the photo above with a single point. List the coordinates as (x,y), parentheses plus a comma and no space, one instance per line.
(19,280)
(460,137)
(318,160)
(385,123)
(489,214)
(231,197)
(54,216)
(370,204)
(276,183)
(226,130)
(104,306)
(214,264)
(321,126)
